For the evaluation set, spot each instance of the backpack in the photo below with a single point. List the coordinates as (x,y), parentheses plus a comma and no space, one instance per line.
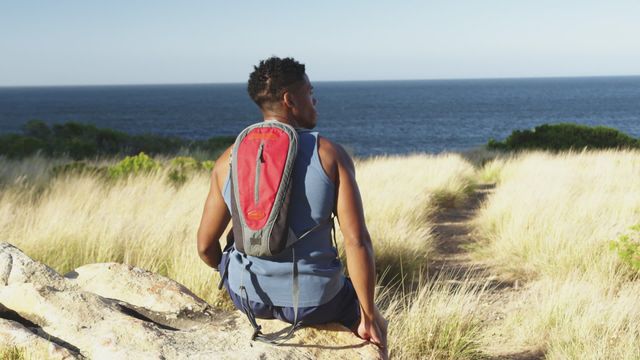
(261,166)
(261,170)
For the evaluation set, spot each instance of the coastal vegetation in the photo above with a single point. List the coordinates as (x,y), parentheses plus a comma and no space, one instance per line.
(565,136)
(84,141)
(558,237)
(627,246)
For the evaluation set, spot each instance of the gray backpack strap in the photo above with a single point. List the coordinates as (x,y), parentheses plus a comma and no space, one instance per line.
(293,238)
(316,227)
(281,339)
(295,293)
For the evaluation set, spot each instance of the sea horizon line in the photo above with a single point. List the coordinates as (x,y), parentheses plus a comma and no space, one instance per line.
(559,77)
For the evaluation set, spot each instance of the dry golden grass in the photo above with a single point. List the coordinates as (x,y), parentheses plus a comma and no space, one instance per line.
(399,195)
(440,320)
(144,220)
(435,319)
(574,318)
(549,221)
(18,353)
(74,219)
(553,214)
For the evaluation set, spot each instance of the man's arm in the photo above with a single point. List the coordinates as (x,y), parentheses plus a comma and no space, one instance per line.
(357,241)
(215,216)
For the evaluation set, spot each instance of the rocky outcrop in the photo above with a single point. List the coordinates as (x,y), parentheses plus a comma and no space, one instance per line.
(14,334)
(18,268)
(115,311)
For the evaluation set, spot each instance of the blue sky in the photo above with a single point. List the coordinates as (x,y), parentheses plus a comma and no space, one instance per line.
(58,42)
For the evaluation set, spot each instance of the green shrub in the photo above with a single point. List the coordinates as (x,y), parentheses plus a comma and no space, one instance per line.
(185,162)
(156,144)
(215,144)
(72,129)
(82,141)
(628,247)
(37,129)
(563,137)
(180,167)
(132,165)
(208,165)
(111,141)
(78,148)
(17,146)
(177,178)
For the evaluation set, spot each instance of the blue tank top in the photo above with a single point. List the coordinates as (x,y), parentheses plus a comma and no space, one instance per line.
(269,281)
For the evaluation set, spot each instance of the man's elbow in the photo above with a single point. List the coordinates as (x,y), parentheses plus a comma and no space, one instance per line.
(208,254)
(208,257)
(360,241)
(203,250)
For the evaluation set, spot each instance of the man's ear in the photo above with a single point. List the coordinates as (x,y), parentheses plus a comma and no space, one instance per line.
(288,100)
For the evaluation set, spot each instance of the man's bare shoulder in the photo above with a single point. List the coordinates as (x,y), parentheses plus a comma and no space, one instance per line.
(332,156)
(221,167)
(331,148)
(222,162)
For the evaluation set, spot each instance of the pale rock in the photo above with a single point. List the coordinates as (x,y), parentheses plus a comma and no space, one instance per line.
(137,287)
(113,311)
(16,267)
(13,333)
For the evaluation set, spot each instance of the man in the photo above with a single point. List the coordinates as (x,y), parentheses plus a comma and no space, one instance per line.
(323,183)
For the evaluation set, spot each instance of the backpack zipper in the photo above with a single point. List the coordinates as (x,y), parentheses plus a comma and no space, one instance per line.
(256,186)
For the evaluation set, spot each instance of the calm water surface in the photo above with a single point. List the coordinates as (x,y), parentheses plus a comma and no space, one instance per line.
(372,117)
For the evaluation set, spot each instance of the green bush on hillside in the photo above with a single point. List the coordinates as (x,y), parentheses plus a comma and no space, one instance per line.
(132,165)
(37,129)
(628,248)
(17,146)
(208,165)
(79,141)
(180,167)
(83,141)
(185,163)
(564,137)
(216,143)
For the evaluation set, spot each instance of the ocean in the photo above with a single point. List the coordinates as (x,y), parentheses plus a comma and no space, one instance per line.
(367,117)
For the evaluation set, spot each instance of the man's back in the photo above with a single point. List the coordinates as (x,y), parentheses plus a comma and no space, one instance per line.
(320,272)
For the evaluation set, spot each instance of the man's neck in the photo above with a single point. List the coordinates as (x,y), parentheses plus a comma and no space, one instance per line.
(267,115)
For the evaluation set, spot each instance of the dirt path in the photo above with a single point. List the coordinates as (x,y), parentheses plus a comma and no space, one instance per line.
(454,231)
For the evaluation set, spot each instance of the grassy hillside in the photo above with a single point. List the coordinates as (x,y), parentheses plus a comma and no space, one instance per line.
(548,225)
(79,216)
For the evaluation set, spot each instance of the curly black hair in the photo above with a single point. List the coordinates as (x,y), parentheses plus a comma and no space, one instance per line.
(272,77)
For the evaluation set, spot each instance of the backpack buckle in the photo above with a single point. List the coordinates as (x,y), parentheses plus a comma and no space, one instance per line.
(256,332)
